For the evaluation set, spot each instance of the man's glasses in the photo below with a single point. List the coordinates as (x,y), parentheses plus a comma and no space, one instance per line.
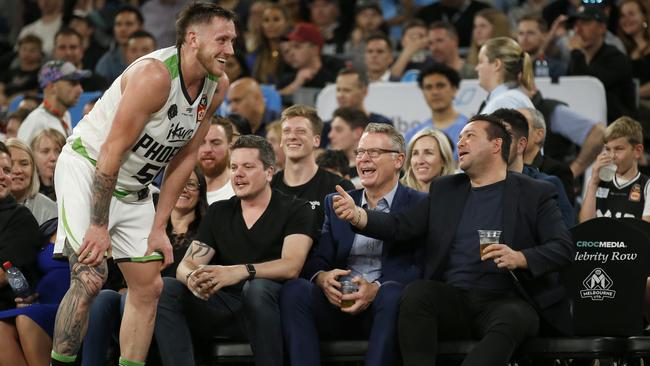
(373,153)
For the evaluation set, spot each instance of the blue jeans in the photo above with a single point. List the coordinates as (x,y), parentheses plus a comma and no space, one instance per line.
(254,313)
(103,325)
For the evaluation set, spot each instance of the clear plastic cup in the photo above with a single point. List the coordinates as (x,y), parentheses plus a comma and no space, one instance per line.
(487,237)
(607,172)
(348,287)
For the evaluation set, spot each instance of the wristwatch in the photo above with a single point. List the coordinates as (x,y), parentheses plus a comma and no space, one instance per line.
(251,271)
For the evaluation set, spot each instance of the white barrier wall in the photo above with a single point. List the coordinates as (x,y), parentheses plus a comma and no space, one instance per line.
(405,105)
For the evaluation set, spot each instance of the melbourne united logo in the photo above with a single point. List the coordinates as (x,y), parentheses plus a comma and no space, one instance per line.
(172,111)
(597,286)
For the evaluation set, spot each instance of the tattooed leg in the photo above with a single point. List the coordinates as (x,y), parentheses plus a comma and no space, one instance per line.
(72,316)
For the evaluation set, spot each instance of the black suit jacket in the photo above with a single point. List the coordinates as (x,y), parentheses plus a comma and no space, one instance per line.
(532,224)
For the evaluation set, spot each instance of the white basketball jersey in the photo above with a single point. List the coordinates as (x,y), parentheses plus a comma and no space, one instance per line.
(167,131)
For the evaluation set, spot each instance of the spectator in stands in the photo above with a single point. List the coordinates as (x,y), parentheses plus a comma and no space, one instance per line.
(368,19)
(443,44)
(23,78)
(429,155)
(439,84)
(252,35)
(274,137)
(240,126)
(25,183)
(345,132)
(266,62)
(295,10)
(567,129)
(26,331)
(158,16)
(626,195)
(635,34)
(68,47)
(378,58)
(14,120)
(313,307)
(245,98)
(457,298)
(60,81)
(325,14)
(352,90)
(460,13)
(302,53)
(334,161)
(528,8)
(18,235)
(488,23)
(46,147)
(262,238)
(47,25)
(503,69)
(214,159)
(532,36)
(236,67)
(106,310)
(517,125)
(30,102)
(414,55)
(535,159)
(140,43)
(591,56)
(128,19)
(301,176)
(92,50)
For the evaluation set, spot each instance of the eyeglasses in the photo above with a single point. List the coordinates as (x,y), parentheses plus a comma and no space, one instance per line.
(373,153)
(192,185)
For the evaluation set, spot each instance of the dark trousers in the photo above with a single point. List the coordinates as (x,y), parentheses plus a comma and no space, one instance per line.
(432,311)
(255,314)
(307,317)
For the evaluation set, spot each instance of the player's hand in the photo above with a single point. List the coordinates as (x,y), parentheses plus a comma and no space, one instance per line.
(95,244)
(22,302)
(329,283)
(211,279)
(362,298)
(159,242)
(344,205)
(504,256)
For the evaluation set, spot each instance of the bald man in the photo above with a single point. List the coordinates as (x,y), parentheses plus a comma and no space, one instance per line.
(246,99)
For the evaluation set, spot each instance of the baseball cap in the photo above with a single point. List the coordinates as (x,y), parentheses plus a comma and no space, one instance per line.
(367,4)
(590,12)
(56,70)
(306,32)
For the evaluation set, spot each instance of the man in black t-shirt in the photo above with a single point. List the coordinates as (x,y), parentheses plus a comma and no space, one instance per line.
(301,177)
(229,282)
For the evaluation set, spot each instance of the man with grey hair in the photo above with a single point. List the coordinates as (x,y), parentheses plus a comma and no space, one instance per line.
(534,157)
(229,281)
(317,305)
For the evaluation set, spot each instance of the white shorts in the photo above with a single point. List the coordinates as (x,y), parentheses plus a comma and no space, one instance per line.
(129,223)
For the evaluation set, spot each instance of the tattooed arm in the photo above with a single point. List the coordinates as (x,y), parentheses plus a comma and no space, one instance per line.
(198,254)
(145,88)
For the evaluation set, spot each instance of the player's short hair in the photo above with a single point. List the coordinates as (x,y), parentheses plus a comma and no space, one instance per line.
(199,13)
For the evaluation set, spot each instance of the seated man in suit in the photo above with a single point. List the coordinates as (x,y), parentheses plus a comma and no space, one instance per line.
(313,307)
(467,293)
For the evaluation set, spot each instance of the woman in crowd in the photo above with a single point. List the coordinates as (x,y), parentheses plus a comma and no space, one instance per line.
(252,36)
(46,147)
(267,61)
(503,70)
(25,183)
(106,310)
(26,331)
(429,155)
(488,23)
(634,31)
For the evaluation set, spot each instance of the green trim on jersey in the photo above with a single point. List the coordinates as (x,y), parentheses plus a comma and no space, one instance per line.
(172,65)
(63,358)
(78,146)
(213,78)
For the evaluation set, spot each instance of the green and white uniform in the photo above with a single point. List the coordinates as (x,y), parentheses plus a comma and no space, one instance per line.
(131,210)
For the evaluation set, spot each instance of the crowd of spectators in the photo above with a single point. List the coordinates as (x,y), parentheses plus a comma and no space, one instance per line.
(54,53)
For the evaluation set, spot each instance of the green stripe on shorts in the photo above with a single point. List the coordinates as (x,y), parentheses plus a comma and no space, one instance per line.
(145,259)
(68,232)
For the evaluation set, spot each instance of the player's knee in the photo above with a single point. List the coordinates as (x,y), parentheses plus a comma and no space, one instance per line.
(88,280)
(149,292)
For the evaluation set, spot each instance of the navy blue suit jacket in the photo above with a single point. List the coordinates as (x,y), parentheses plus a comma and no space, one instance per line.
(532,224)
(401,263)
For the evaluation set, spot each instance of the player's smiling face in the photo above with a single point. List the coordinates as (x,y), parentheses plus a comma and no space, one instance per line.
(215,44)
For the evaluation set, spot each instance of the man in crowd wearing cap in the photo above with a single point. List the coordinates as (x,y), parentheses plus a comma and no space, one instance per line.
(60,81)
(302,53)
(591,56)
